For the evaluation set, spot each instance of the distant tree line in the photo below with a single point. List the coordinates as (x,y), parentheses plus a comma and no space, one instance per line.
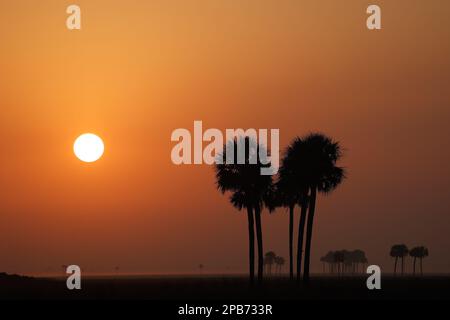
(344,262)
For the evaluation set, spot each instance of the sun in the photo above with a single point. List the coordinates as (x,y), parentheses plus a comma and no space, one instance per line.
(88,147)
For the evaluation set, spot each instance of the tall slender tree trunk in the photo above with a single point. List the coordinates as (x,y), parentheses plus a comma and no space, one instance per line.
(251,245)
(301,231)
(395,266)
(259,239)
(414,266)
(291,241)
(309,230)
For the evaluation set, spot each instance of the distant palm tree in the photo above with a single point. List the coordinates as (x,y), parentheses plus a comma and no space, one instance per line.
(414,253)
(423,254)
(311,161)
(347,261)
(418,253)
(269,259)
(329,259)
(279,262)
(399,251)
(350,261)
(339,257)
(394,254)
(249,189)
(324,261)
(358,257)
(365,262)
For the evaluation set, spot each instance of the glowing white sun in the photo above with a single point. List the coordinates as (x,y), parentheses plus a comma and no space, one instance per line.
(88,147)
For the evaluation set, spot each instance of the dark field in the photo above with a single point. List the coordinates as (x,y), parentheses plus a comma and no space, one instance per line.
(191,288)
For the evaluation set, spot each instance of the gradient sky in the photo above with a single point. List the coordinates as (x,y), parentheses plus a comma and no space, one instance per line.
(140,69)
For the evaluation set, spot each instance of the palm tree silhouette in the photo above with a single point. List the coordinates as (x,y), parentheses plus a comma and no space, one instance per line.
(418,253)
(287,195)
(348,260)
(414,253)
(399,251)
(279,262)
(269,259)
(311,161)
(423,254)
(394,254)
(358,257)
(329,259)
(339,257)
(249,189)
(365,263)
(293,190)
(323,260)
(363,260)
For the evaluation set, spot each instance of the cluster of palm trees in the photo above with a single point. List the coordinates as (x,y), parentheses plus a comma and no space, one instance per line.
(309,166)
(401,251)
(418,253)
(344,261)
(270,258)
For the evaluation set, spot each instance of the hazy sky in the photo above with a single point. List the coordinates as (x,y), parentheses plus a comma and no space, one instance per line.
(140,69)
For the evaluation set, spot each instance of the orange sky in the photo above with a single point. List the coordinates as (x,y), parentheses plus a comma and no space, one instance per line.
(138,70)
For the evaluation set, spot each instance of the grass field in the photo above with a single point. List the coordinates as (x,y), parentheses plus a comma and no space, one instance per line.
(191,288)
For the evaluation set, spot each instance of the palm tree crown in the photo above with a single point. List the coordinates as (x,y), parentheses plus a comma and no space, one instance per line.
(311,161)
(244,181)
